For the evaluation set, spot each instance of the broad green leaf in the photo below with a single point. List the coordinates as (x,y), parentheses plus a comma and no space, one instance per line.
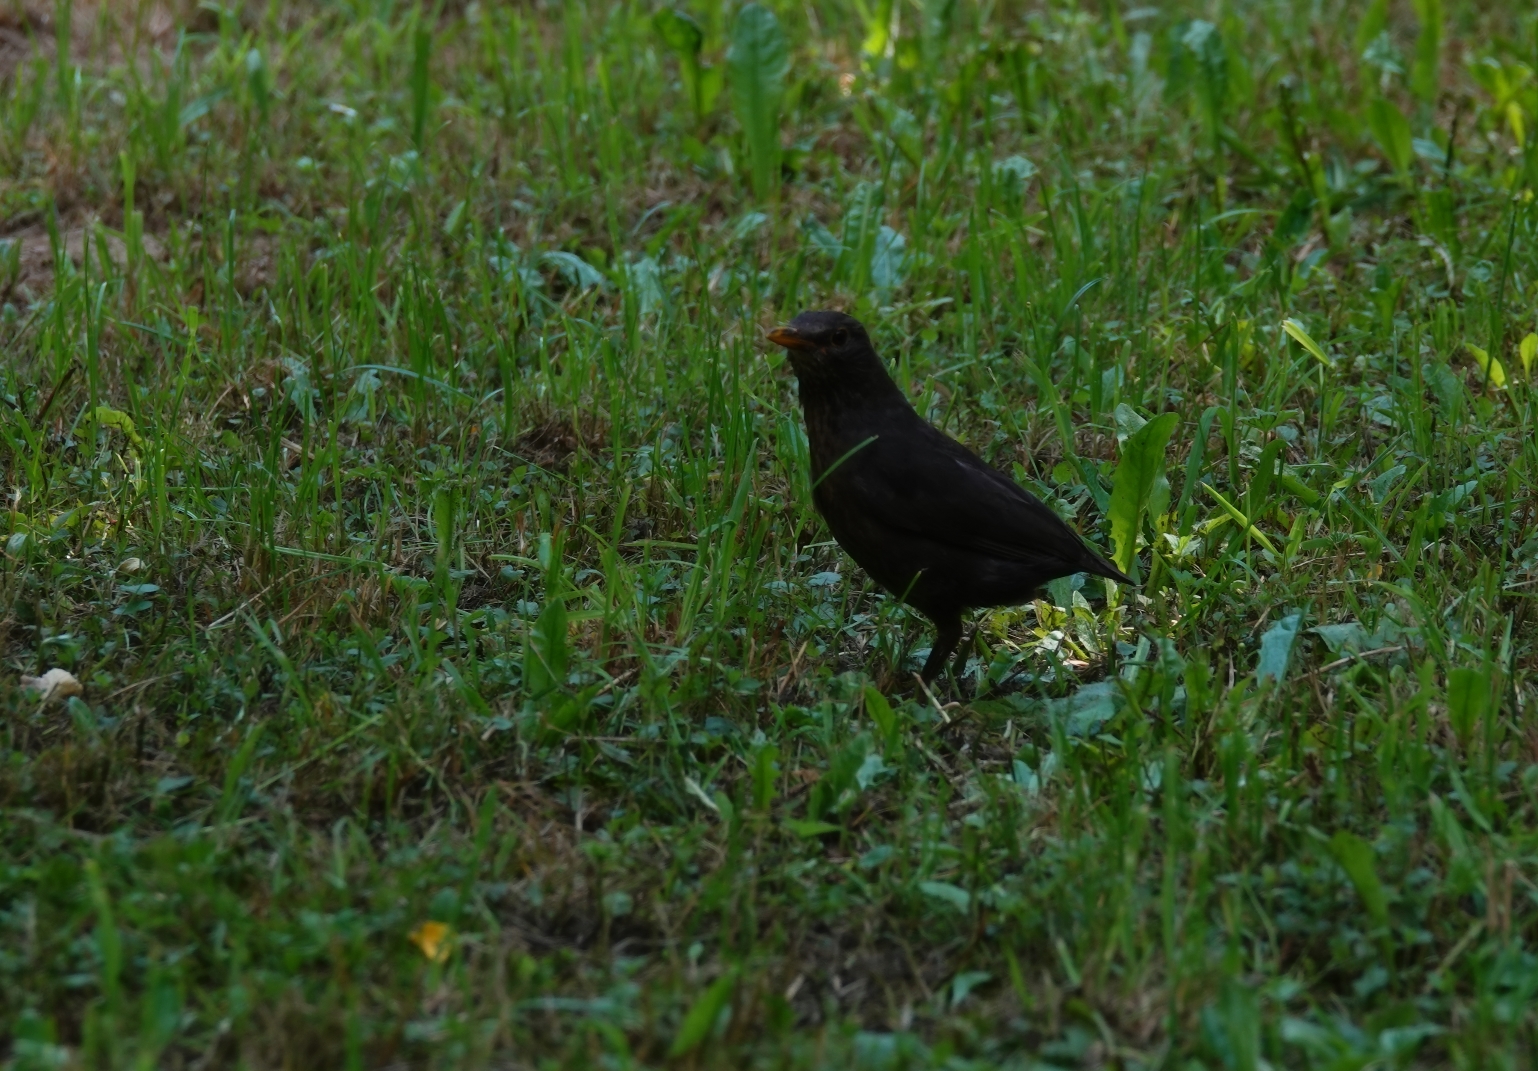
(109,941)
(703,1014)
(1493,371)
(1468,700)
(1356,858)
(544,669)
(1374,21)
(878,26)
(1529,353)
(1235,1018)
(1349,637)
(838,787)
(880,712)
(200,107)
(679,30)
(1276,648)
(456,218)
(1301,336)
(10,260)
(1087,709)
(758,60)
(712,81)
(1297,487)
(1257,497)
(574,270)
(1400,1042)
(810,827)
(1142,456)
(888,260)
(1380,486)
(1197,61)
(764,770)
(870,770)
(1445,824)
(420,82)
(963,984)
(443,522)
(954,895)
(1460,792)
(229,801)
(1392,132)
(1128,422)
(684,36)
(1209,58)
(256,79)
(1426,69)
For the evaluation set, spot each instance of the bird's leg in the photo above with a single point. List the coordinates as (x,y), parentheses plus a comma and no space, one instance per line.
(947,635)
(964,652)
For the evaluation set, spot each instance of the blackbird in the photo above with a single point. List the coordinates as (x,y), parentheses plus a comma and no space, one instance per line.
(929,520)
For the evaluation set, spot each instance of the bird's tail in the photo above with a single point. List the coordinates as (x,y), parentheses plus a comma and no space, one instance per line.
(1096,565)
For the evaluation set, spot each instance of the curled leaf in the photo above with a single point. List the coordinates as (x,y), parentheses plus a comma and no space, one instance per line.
(1301,336)
(108,417)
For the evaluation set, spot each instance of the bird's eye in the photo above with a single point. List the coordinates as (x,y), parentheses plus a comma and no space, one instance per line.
(840,337)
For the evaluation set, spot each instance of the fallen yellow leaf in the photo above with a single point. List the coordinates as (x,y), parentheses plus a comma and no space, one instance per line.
(1301,336)
(432,938)
(55,684)
(1494,372)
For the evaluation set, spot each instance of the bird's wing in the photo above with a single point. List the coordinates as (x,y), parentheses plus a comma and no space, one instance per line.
(926,483)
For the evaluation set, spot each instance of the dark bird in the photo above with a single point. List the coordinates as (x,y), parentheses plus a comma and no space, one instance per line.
(929,520)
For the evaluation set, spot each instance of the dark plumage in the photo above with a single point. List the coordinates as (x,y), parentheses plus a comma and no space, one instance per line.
(929,520)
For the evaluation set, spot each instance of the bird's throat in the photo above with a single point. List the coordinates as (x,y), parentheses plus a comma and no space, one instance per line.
(857,383)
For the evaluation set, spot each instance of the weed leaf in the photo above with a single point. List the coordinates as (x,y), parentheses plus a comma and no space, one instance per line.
(1426,74)
(545,667)
(703,1014)
(758,60)
(954,895)
(1392,132)
(1468,700)
(1142,456)
(1357,859)
(1276,649)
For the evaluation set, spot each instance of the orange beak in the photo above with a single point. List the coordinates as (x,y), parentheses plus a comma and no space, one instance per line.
(787,337)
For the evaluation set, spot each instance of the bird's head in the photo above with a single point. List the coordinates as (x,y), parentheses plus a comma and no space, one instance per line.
(824,344)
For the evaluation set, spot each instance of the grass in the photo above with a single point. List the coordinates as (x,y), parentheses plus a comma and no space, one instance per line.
(392,454)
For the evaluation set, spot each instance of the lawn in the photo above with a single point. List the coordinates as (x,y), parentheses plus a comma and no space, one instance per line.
(393,458)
